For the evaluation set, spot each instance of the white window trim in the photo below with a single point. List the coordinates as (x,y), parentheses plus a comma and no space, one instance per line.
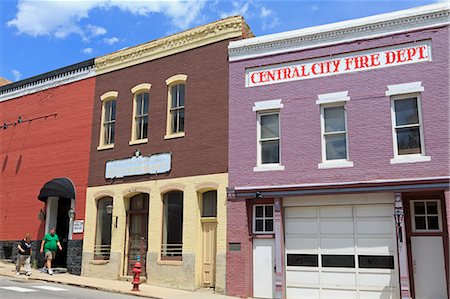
(337,99)
(141,88)
(171,81)
(264,232)
(397,89)
(413,214)
(267,105)
(269,166)
(107,96)
(412,158)
(330,98)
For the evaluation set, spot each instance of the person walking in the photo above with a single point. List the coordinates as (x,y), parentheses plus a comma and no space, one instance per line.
(50,243)
(24,257)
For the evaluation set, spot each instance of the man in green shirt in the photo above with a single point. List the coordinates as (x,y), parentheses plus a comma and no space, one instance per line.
(49,245)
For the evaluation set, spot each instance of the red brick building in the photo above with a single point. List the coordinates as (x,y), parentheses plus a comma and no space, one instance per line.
(45,134)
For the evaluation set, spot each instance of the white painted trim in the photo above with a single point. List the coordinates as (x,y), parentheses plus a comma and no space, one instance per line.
(421,17)
(404,88)
(346,183)
(410,159)
(328,98)
(335,164)
(264,232)
(413,214)
(267,105)
(268,167)
(48,83)
(398,157)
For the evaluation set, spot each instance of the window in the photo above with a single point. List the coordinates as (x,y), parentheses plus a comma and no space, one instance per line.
(269,138)
(102,248)
(171,248)
(268,135)
(333,117)
(338,261)
(263,219)
(407,126)
(108,127)
(140,113)
(376,261)
(176,104)
(209,204)
(303,260)
(426,215)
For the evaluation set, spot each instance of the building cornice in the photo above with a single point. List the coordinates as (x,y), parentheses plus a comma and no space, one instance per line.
(422,17)
(49,80)
(214,32)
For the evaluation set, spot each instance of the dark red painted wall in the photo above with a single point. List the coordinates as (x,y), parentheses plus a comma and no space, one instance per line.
(32,153)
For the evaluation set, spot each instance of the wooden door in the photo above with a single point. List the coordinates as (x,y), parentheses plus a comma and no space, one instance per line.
(209,253)
(137,240)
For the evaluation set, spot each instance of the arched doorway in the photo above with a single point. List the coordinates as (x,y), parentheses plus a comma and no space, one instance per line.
(137,232)
(59,196)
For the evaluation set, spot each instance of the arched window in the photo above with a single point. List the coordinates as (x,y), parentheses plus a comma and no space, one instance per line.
(172,241)
(141,98)
(108,123)
(102,248)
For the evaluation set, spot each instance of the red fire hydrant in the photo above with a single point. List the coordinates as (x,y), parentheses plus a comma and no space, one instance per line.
(137,274)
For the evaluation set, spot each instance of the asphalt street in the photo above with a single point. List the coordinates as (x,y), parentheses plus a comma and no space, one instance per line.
(19,288)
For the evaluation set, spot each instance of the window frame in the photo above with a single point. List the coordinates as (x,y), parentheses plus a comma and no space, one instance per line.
(166,258)
(259,139)
(136,91)
(413,214)
(171,82)
(106,98)
(419,157)
(96,256)
(264,218)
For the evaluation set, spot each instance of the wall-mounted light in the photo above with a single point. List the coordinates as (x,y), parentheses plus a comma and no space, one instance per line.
(398,216)
(41,215)
(137,153)
(231,193)
(19,120)
(258,195)
(109,210)
(71,213)
(5,126)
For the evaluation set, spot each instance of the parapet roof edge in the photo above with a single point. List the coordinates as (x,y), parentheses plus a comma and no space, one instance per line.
(223,29)
(361,28)
(48,75)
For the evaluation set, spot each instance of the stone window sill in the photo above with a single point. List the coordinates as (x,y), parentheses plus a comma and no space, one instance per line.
(269,167)
(105,147)
(335,164)
(99,262)
(139,141)
(173,136)
(410,159)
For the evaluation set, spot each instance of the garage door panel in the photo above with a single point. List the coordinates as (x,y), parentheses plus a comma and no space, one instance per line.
(302,293)
(333,294)
(297,278)
(298,226)
(376,245)
(374,227)
(381,280)
(338,279)
(306,245)
(301,212)
(378,295)
(337,245)
(336,227)
(336,212)
(374,211)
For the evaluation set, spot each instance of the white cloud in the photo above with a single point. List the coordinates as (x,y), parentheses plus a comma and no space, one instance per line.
(241,9)
(314,8)
(17,75)
(268,18)
(96,30)
(111,41)
(60,18)
(87,51)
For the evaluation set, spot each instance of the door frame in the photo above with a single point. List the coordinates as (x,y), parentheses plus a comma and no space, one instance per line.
(433,195)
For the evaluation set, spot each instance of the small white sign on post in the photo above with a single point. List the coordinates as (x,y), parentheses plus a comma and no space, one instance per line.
(78,226)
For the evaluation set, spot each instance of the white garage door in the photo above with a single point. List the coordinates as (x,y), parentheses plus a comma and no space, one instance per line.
(341,252)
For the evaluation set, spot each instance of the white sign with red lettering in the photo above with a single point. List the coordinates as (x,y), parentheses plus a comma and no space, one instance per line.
(339,64)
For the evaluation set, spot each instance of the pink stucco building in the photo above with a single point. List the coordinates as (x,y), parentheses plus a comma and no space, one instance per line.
(339,160)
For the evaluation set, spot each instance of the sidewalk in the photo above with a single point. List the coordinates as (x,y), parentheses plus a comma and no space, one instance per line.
(114,286)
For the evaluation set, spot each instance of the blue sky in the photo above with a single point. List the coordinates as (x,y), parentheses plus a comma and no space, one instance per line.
(40,36)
